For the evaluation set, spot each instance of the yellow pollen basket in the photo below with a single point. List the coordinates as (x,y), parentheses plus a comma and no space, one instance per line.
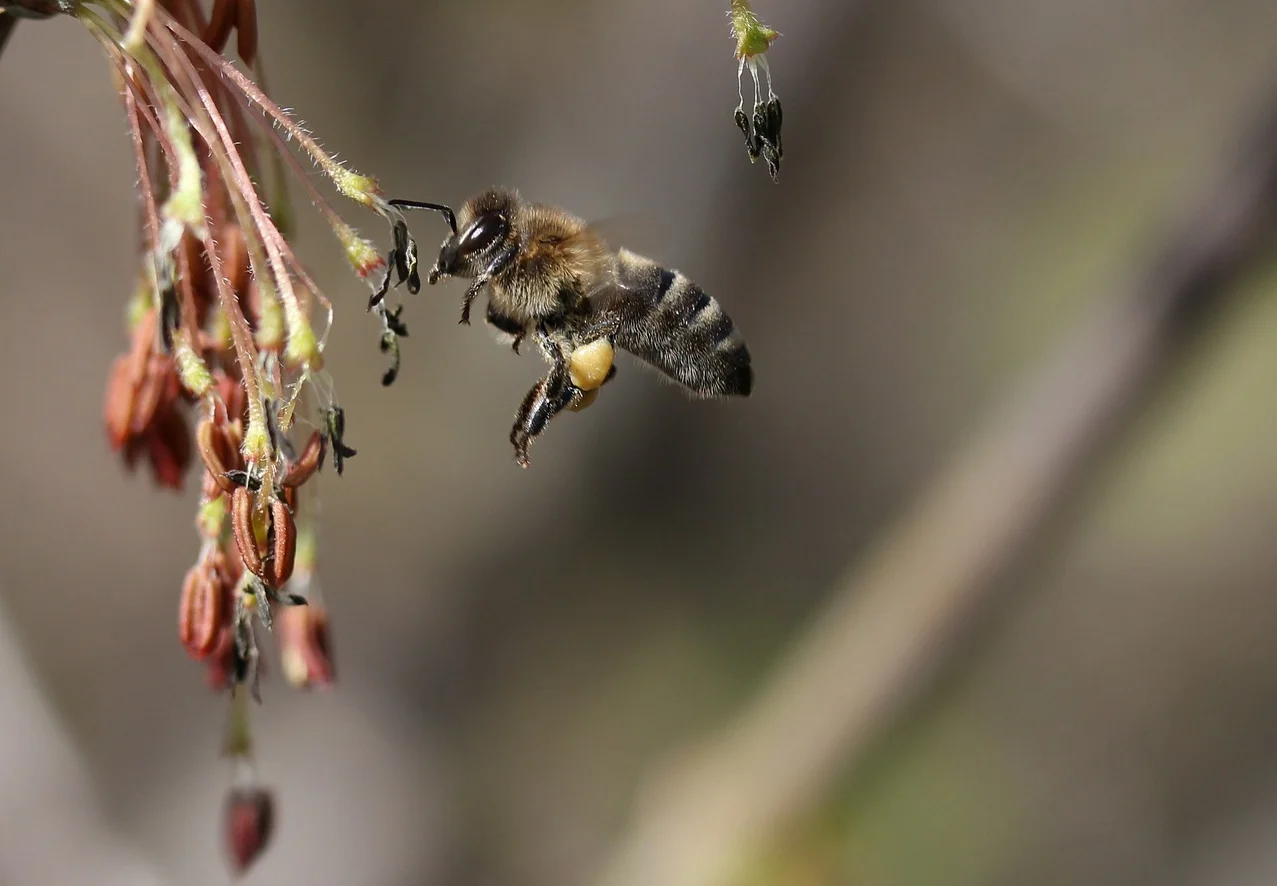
(589,364)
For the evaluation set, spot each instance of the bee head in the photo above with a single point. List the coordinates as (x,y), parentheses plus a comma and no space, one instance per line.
(483,231)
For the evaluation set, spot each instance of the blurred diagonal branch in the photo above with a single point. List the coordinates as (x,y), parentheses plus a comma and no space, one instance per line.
(895,616)
(6,28)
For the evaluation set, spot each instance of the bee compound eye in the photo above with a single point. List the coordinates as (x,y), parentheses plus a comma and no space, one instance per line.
(485,231)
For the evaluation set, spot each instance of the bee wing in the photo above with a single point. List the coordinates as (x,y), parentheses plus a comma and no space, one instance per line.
(667,321)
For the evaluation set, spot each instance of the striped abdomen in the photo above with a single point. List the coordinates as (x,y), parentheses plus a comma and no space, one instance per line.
(668,321)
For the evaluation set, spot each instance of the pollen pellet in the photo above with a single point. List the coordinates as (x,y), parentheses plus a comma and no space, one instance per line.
(589,364)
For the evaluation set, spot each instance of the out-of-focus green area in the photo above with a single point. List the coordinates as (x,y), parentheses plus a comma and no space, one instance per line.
(963,181)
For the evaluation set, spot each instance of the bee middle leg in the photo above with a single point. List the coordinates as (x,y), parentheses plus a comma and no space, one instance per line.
(513,328)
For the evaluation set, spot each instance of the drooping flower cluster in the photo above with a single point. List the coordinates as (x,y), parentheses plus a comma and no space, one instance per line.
(762,126)
(223,360)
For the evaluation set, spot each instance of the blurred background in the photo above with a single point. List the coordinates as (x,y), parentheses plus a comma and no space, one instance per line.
(518,651)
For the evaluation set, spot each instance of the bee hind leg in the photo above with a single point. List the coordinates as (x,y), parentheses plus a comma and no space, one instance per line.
(550,396)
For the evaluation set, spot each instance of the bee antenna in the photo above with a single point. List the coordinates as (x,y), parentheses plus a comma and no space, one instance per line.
(446,211)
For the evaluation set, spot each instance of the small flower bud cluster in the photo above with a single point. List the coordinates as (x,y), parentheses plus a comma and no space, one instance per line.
(145,417)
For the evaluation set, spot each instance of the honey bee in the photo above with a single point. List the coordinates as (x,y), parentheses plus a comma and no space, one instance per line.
(552,279)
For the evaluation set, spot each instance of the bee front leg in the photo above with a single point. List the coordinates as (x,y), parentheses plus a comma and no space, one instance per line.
(496,266)
(468,299)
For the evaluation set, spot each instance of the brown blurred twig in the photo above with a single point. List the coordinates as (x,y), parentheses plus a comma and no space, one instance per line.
(6,28)
(895,615)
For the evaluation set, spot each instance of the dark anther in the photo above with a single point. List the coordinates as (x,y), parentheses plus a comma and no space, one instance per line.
(278,440)
(244,668)
(410,258)
(244,478)
(395,328)
(772,112)
(759,121)
(266,595)
(762,134)
(770,135)
(390,345)
(170,317)
(401,264)
(773,162)
(335,425)
(376,297)
(396,263)
(400,253)
(240,667)
(245,664)
(394,324)
(751,140)
(262,595)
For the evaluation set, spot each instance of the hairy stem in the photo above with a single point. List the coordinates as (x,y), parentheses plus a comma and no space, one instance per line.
(351,184)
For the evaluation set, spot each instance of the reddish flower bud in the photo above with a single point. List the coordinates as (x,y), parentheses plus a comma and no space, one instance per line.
(242,504)
(307,463)
(231,390)
(219,448)
(129,372)
(305,653)
(219,666)
(283,538)
(248,822)
(205,607)
(119,401)
(169,449)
